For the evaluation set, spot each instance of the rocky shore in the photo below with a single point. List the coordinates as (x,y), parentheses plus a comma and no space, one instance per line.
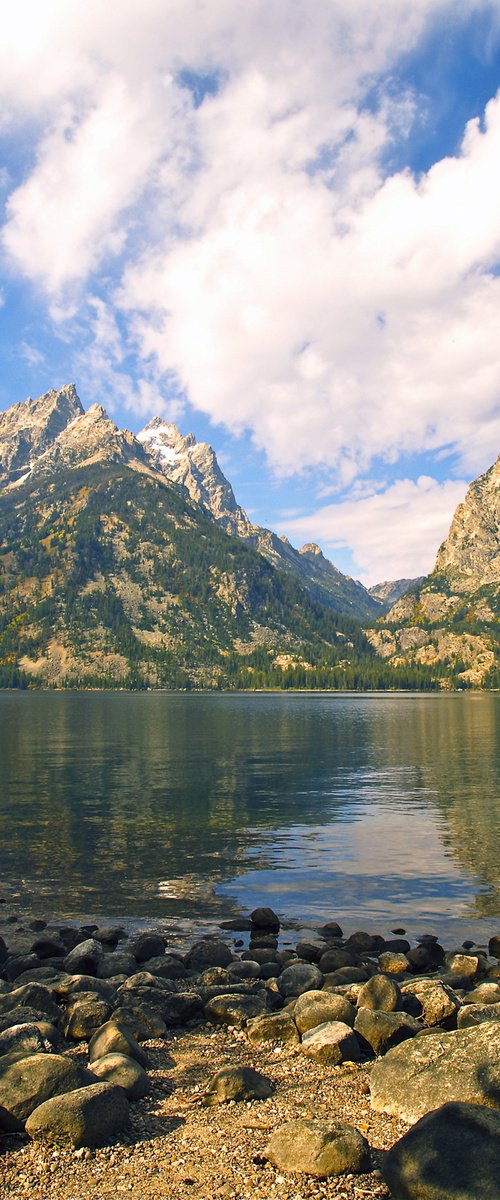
(347,1067)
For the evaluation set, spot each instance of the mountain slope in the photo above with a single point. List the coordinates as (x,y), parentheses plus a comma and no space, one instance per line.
(451,619)
(194,465)
(111,576)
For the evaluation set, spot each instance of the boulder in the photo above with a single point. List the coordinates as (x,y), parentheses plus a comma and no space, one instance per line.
(437,1003)
(141,1022)
(84,958)
(475,1014)
(485,993)
(315,1007)
(84,1017)
(452,1153)
(320,1148)
(90,1116)
(426,1072)
(122,962)
(31,995)
(466,965)
(114,1038)
(25,1083)
(125,1072)
(383,1030)
(273,1027)
(208,953)
(265,918)
(494,946)
(23,1040)
(336,957)
(235,1009)
(168,966)
(393,963)
(331,1043)
(298,978)
(147,945)
(237,1083)
(380,993)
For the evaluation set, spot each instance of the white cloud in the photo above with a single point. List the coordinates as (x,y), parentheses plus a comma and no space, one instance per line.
(250,249)
(393,534)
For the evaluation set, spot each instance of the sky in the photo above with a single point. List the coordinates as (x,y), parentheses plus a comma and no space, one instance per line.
(278,225)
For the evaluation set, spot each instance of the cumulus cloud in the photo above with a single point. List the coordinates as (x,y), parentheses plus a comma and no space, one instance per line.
(392,534)
(207,193)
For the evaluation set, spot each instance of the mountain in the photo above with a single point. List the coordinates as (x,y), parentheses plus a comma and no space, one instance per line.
(112,576)
(29,428)
(393,589)
(194,465)
(127,562)
(450,620)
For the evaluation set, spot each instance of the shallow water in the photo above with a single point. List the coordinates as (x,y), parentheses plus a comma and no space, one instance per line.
(375,810)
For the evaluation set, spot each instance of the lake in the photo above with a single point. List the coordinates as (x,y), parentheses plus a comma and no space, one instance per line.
(374,810)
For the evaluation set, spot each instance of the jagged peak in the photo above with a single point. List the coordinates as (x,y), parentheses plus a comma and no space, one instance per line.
(311,548)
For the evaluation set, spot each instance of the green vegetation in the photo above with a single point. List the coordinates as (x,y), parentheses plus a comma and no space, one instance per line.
(109,578)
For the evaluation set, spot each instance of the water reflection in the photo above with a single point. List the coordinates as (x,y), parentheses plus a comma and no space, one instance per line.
(187,805)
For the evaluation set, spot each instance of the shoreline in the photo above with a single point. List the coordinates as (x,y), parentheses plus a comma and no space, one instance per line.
(175,1143)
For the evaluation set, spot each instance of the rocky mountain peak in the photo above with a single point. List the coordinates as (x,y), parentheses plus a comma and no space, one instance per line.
(194,466)
(471,552)
(32,426)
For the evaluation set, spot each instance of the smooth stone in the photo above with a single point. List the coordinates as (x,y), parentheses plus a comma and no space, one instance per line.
(331,930)
(209,953)
(237,1083)
(494,946)
(120,962)
(114,1038)
(320,1148)
(314,1008)
(331,1043)
(380,993)
(147,945)
(452,1153)
(140,1022)
(484,993)
(84,958)
(25,1083)
(31,995)
(426,1072)
(235,1009)
(90,1116)
(335,958)
(466,965)
(299,978)
(125,1072)
(265,918)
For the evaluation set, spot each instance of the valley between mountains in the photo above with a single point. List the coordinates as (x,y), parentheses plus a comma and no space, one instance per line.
(127,562)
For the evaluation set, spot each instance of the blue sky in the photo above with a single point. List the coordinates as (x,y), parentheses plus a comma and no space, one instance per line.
(277,224)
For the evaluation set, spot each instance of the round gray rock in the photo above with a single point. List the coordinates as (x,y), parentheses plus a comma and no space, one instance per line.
(316,1007)
(238,1083)
(125,1073)
(320,1148)
(25,1083)
(299,978)
(90,1116)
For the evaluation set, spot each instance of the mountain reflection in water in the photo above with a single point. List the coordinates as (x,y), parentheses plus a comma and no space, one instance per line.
(371,809)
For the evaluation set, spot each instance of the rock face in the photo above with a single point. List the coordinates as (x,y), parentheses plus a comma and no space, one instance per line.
(452,1153)
(391,590)
(194,466)
(429,1071)
(427,622)
(29,428)
(471,553)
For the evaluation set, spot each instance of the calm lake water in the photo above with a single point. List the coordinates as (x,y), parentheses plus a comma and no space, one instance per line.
(377,811)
